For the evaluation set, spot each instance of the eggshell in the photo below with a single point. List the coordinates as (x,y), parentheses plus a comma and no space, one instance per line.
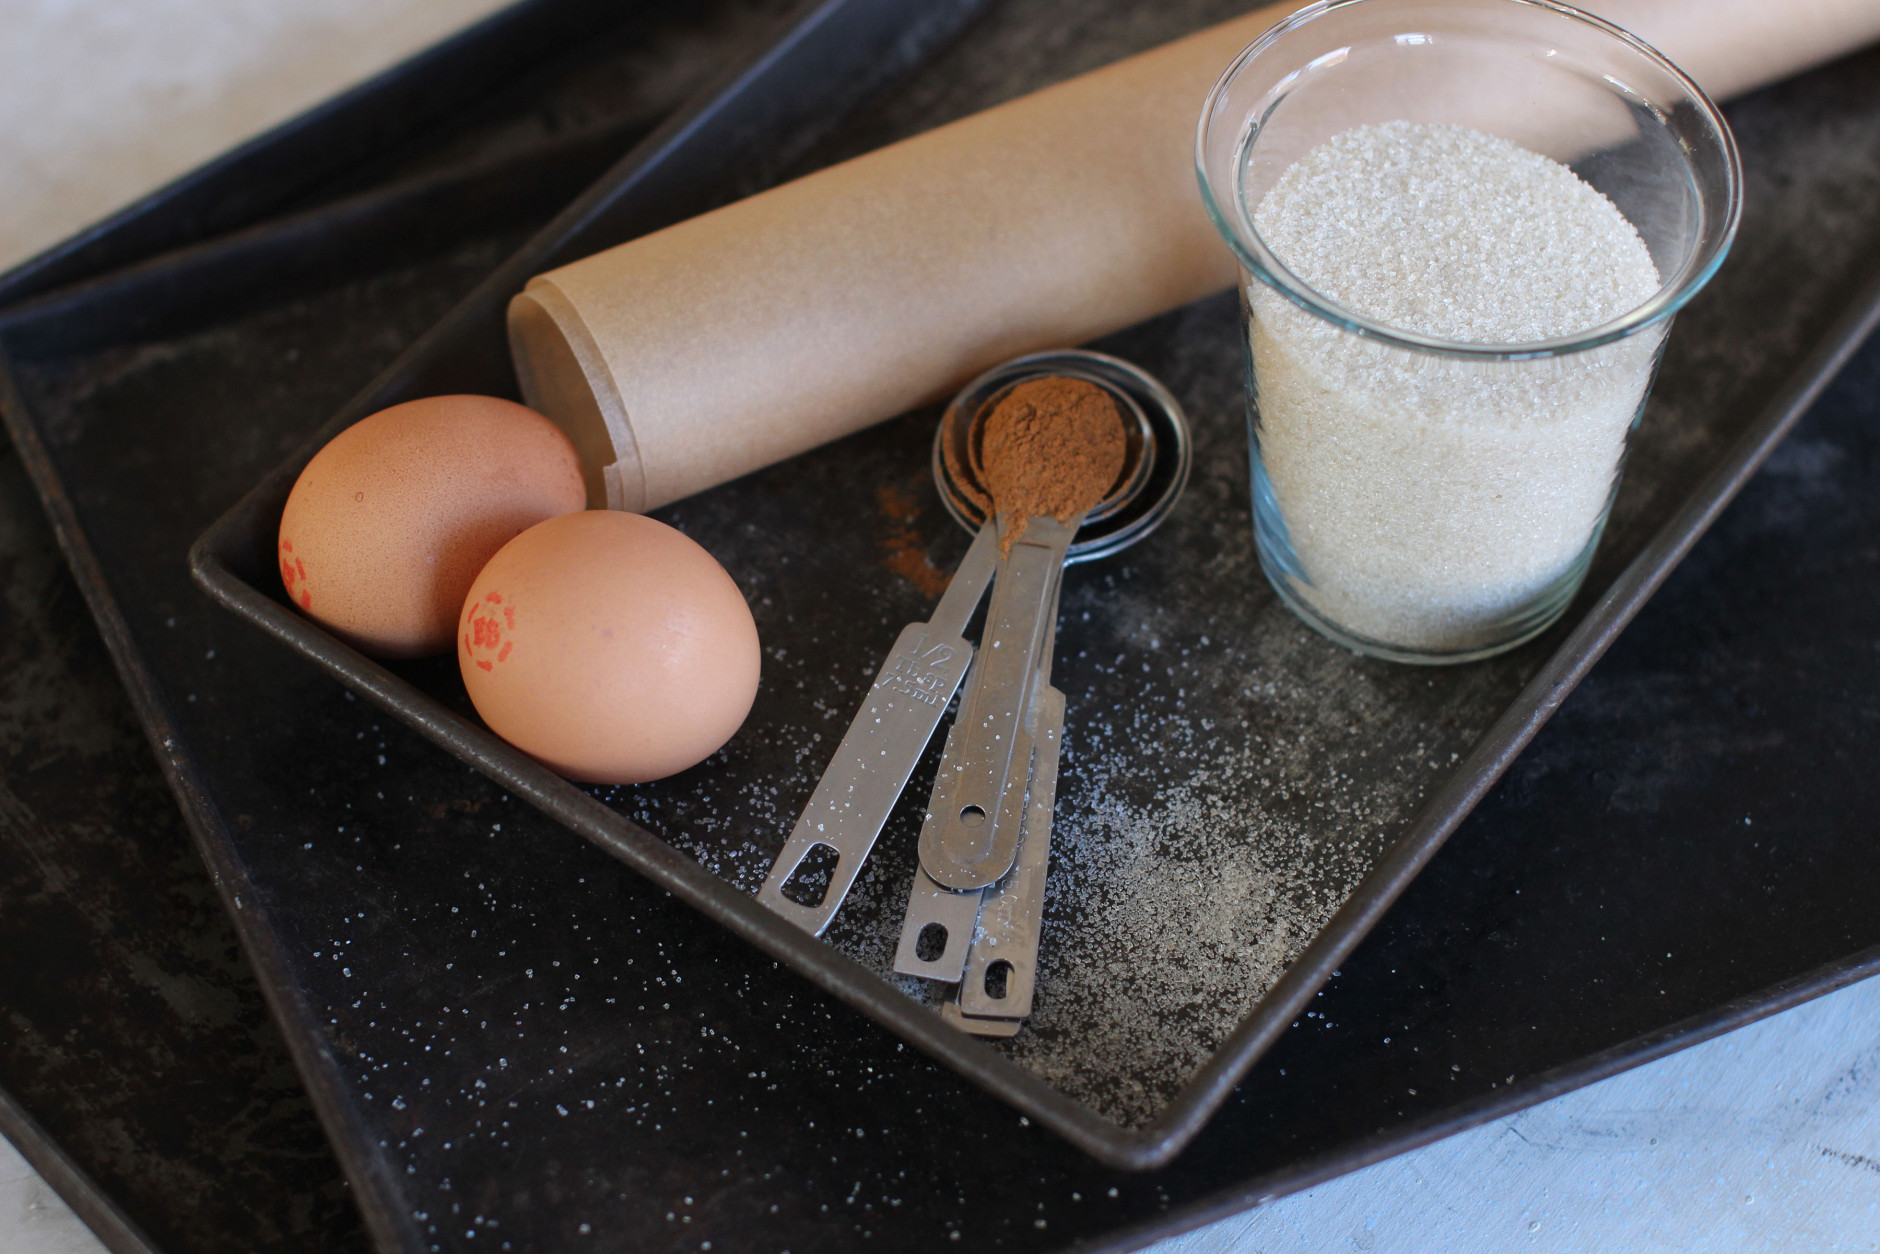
(392,520)
(609,646)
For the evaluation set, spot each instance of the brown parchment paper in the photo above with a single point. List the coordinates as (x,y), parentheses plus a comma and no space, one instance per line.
(750,334)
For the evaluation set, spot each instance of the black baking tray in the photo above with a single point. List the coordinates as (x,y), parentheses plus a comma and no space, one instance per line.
(1365,768)
(1466,969)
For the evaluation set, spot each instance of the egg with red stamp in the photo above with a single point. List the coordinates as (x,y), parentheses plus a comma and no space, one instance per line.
(610,647)
(390,522)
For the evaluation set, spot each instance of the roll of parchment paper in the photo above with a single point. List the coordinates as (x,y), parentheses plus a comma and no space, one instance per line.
(750,334)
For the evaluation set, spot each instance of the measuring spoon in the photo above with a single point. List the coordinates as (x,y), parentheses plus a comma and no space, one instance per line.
(852,802)
(972,836)
(857,792)
(940,927)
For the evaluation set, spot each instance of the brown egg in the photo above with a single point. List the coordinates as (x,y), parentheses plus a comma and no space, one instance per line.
(608,646)
(390,522)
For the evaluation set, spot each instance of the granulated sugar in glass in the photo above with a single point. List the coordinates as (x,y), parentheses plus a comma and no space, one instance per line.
(1428,499)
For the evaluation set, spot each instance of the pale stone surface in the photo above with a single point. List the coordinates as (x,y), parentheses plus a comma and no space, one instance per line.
(32,1218)
(1765,1139)
(103,102)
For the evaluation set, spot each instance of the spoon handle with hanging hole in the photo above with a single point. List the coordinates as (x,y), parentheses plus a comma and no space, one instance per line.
(939,928)
(971,838)
(871,766)
(1013,911)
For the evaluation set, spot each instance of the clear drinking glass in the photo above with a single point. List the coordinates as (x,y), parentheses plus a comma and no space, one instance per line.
(1430,500)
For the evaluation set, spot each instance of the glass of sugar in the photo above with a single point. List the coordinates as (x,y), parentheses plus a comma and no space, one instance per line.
(1464,227)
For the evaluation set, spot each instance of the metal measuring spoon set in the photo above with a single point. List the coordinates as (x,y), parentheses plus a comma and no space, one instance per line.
(975,908)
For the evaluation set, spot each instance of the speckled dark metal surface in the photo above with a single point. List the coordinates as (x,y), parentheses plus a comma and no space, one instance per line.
(1239,799)
(133,1027)
(705,1096)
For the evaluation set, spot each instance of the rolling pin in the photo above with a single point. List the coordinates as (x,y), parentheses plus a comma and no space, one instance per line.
(750,334)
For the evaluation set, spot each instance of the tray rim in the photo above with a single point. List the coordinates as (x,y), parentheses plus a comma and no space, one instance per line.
(95,1208)
(1699,510)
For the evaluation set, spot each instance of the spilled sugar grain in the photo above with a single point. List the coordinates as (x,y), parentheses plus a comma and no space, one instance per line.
(1228,778)
(1210,821)
(731,813)
(1176,902)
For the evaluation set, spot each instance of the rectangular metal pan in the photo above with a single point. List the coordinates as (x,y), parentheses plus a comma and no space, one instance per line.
(1326,1099)
(1372,766)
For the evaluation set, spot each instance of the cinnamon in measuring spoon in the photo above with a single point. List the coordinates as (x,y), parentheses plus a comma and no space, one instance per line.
(1052,446)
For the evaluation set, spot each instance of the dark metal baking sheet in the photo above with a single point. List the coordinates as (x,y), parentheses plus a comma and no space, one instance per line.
(1753,670)
(151,1086)
(115,417)
(1241,800)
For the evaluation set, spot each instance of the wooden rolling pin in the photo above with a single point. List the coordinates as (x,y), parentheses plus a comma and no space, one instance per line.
(750,334)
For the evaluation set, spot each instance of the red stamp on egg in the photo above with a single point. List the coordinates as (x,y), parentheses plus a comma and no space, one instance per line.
(294,577)
(486,626)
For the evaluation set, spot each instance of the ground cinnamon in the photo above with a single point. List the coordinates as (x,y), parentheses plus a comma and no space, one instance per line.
(903,548)
(1053,446)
